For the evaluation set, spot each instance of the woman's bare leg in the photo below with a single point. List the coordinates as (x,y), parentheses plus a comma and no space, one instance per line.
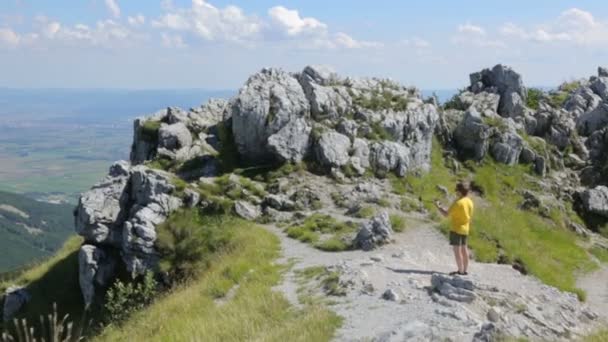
(464,251)
(458,256)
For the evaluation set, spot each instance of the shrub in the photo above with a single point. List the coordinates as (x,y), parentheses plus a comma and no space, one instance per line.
(366,212)
(187,240)
(534,96)
(398,223)
(123,299)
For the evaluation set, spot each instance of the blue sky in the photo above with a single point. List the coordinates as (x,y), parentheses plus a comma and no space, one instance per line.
(217,44)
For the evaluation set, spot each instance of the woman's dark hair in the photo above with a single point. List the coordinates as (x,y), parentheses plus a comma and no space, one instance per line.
(463,188)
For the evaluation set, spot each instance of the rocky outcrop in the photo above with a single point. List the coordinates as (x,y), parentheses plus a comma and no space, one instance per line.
(269,100)
(247,210)
(472,136)
(595,201)
(177,135)
(96,269)
(373,233)
(332,149)
(292,142)
(505,82)
(121,213)
(453,288)
(14,299)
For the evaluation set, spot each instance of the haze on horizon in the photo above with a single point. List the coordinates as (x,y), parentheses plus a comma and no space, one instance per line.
(216,44)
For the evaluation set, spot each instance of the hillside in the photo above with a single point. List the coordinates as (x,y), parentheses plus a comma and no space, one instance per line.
(30,230)
(334,181)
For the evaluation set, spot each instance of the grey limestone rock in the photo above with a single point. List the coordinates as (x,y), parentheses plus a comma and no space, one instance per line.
(269,100)
(373,233)
(247,210)
(292,142)
(472,136)
(14,299)
(95,269)
(332,149)
(595,200)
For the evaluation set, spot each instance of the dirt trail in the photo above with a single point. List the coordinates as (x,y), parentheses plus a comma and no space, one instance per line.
(406,267)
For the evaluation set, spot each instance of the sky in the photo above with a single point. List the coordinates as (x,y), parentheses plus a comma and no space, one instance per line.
(217,44)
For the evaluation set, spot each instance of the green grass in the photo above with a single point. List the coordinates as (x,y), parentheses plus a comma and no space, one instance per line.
(365,212)
(425,186)
(534,96)
(600,253)
(323,232)
(398,223)
(382,99)
(149,131)
(53,281)
(545,248)
(255,313)
(600,336)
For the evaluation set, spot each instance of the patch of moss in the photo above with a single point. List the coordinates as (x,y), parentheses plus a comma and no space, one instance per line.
(149,131)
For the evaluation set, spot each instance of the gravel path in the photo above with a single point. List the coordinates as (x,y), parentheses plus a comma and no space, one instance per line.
(525,307)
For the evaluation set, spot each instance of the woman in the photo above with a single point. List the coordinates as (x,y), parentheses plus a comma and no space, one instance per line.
(460,214)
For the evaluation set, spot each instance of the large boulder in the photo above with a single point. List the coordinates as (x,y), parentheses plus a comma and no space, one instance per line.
(507,145)
(95,270)
(484,102)
(328,97)
(595,201)
(292,142)
(269,100)
(374,232)
(453,288)
(505,82)
(14,299)
(174,136)
(102,210)
(151,192)
(332,149)
(472,136)
(594,120)
(390,156)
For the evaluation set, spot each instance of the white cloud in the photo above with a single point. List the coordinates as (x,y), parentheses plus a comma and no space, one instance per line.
(113,8)
(471,29)
(572,26)
(345,41)
(416,42)
(50,29)
(473,35)
(9,37)
(211,23)
(290,22)
(172,40)
(137,20)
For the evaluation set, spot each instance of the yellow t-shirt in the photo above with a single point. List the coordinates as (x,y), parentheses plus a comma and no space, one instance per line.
(460,214)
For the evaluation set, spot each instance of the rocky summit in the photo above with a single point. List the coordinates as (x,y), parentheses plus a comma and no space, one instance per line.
(345,172)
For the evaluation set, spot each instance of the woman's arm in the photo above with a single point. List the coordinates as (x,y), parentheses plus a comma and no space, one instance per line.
(442,210)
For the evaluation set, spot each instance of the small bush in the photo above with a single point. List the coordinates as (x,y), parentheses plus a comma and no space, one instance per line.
(398,223)
(534,96)
(366,212)
(331,284)
(123,299)
(186,242)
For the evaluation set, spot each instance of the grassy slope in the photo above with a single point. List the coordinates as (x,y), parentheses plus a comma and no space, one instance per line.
(52,281)
(18,246)
(544,246)
(255,313)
